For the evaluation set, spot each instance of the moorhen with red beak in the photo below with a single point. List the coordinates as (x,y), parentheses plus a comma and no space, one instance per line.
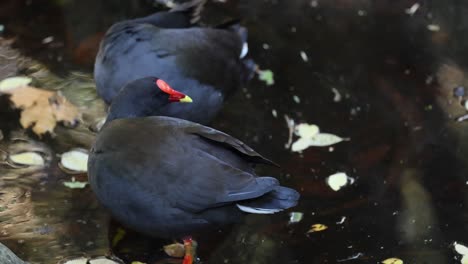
(207,63)
(167,177)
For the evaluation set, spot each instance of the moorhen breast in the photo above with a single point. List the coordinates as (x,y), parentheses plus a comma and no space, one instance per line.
(168,177)
(207,63)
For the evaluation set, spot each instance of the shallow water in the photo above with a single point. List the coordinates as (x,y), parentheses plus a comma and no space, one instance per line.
(396,77)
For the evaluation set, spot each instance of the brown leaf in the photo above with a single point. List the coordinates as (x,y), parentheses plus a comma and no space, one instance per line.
(42,109)
(63,110)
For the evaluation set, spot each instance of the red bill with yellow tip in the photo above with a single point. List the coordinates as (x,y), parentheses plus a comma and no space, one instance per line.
(174,96)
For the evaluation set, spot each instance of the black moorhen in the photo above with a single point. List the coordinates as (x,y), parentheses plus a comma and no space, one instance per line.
(207,63)
(167,177)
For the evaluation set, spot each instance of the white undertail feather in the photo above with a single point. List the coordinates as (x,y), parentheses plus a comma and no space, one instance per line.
(245,50)
(254,210)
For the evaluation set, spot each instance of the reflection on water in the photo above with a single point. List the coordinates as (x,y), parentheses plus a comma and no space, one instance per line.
(395,75)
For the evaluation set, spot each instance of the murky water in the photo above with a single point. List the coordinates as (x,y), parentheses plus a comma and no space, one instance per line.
(395,73)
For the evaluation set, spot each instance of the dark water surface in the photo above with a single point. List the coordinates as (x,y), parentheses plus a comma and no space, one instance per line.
(395,74)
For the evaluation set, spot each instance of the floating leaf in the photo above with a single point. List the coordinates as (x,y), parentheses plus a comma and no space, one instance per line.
(300,144)
(306,130)
(42,109)
(296,99)
(338,180)
(317,228)
(28,158)
(433,27)
(103,260)
(14,82)
(137,262)
(295,217)
(325,139)
(464,260)
(98,260)
(119,235)
(75,184)
(176,250)
(75,160)
(392,261)
(266,76)
(460,249)
(410,11)
(309,135)
(81,260)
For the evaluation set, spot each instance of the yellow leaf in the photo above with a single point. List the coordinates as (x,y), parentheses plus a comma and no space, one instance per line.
(306,130)
(338,180)
(14,82)
(28,158)
(461,249)
(176,250)
(325,139)
(300,144)
(464,260)
(75,160)
(317,228)
(392,261)
(118,236)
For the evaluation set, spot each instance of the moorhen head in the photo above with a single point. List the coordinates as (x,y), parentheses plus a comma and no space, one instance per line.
(167,177)
(207,63)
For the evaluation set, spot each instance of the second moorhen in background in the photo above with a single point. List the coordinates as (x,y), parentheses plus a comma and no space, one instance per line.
(207,63)
(167,177)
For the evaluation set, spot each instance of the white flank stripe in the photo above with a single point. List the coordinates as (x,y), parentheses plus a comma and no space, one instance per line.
(245,50)
(253,210)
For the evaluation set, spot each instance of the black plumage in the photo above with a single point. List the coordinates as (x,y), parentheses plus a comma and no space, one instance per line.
(203,62)
(168,177)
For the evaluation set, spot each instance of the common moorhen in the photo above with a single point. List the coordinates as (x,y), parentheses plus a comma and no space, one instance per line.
(168,177)
(207,63)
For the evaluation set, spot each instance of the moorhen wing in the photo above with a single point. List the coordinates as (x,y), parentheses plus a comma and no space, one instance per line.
(168,177)
(207,63)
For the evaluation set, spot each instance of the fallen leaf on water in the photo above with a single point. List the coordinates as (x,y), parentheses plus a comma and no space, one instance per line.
(176,250)
(103,260)
(74,161)
(119,235)
(338,180)
(306,130)
(317,228)
(325,139)
(75,184)
(410,11)
(460,249)
(266,76)
(98,260)
(310,136)
(81,260)
(392,261)
(433,27)
(137,262)
(14,82)
(42,109)
(28,158)
(295,217)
